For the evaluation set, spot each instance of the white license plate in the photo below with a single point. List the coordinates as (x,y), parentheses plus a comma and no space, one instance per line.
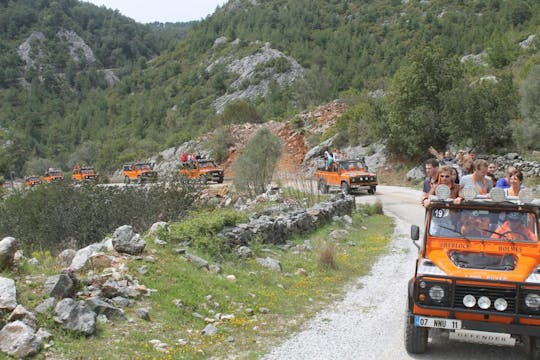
(483,337)
(438,323)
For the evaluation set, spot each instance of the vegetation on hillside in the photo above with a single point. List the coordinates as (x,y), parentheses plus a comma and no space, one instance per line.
(346,47)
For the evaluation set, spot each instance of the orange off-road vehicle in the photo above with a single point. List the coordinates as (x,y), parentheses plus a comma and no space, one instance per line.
(139,172)
(84,174)
(31,181)
(477,276)
(347,175)
(53,175)
(202,170)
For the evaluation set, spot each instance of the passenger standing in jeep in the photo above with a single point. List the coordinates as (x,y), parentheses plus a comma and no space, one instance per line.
(477,179)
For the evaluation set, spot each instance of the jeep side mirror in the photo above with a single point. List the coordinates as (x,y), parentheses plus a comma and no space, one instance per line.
(415,232)
(415,235)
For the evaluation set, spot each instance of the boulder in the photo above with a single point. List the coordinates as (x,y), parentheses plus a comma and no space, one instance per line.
(100,306)
(19,340)
(61,286)
(21,314)
(75,316)
(8,247)
(156,227)
(270,263)
(126,241)
(8,294)
(66,257)
(197,261)
(46,305)
(81,257)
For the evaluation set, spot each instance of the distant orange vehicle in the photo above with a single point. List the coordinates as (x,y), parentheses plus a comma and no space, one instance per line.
(202,170)
(346,175)
(84,174)
(139,173)
(477,276)
(53,175)
(31,181)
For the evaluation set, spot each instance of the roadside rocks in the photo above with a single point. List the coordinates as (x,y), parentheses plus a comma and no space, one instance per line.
(276,225)
(19,340)
(8,248)
(126,241)
(8,294)
(75,316)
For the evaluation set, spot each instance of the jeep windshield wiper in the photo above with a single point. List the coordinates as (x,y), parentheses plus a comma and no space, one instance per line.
(455,232)
(501,236)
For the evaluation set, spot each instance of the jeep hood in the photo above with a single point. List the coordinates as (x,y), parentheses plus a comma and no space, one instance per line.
(357,173)
(479,265)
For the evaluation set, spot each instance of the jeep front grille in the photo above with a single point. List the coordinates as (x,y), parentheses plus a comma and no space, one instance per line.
(509,294)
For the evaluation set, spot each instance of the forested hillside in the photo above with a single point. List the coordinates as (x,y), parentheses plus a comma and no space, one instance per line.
(396,62)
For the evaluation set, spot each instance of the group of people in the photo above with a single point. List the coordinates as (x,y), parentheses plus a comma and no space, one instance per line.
(482,178)
(330,157)
(190,158)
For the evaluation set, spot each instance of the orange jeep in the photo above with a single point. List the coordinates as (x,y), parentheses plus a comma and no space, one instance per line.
(139,173)
(347,175)
(31,181)
(85,173)
(477,275)
(53,175)
(202,170)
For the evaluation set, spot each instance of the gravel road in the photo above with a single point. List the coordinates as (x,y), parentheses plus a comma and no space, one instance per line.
(369,322)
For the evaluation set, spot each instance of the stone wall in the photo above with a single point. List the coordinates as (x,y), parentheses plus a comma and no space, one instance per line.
(276,225)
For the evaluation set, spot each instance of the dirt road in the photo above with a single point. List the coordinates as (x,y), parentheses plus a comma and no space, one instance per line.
(369,322)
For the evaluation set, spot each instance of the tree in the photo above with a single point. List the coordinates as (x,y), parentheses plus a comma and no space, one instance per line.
(255,164)
(527,130)
(416,102)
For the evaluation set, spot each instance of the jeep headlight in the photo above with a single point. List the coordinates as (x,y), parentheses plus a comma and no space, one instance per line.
(532,301)
(436,293)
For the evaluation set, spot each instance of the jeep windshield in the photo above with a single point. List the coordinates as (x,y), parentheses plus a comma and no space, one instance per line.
(482,224)
(203,164)
(143,167)
(351,165)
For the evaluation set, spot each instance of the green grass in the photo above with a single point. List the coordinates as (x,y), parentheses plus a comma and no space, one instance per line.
(291,297)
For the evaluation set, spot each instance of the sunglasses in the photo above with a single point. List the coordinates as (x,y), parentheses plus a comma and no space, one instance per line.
(444,176)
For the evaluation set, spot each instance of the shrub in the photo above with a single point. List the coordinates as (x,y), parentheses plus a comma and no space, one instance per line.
(255,164)
(327,255)
(55,215)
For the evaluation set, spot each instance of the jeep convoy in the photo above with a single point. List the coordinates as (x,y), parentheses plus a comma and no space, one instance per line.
(347,175)
(477,275)
(139,172)
(202,170)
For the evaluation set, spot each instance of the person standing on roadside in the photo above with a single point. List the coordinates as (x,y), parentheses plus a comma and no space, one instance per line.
(432,169)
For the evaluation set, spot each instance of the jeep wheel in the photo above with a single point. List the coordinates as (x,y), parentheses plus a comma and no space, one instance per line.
(532,346)
(126,180)
(372,190)
(323,188)
(416,338)
(220,181)
(139,180)
(203,180)
(345,188)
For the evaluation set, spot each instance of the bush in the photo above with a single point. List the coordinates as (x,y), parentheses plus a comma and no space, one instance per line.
(255,164)
(200,227)
(53,216)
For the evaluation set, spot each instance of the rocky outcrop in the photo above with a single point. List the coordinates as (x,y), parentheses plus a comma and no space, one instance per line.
(80,52)
(254,78)
(26,50)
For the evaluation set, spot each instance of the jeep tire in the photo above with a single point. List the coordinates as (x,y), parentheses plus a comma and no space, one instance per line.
(416,338)
(532,346)
(372,190)
(323,188)
(345,188)
(203,180)
(220,180)
(126,180)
